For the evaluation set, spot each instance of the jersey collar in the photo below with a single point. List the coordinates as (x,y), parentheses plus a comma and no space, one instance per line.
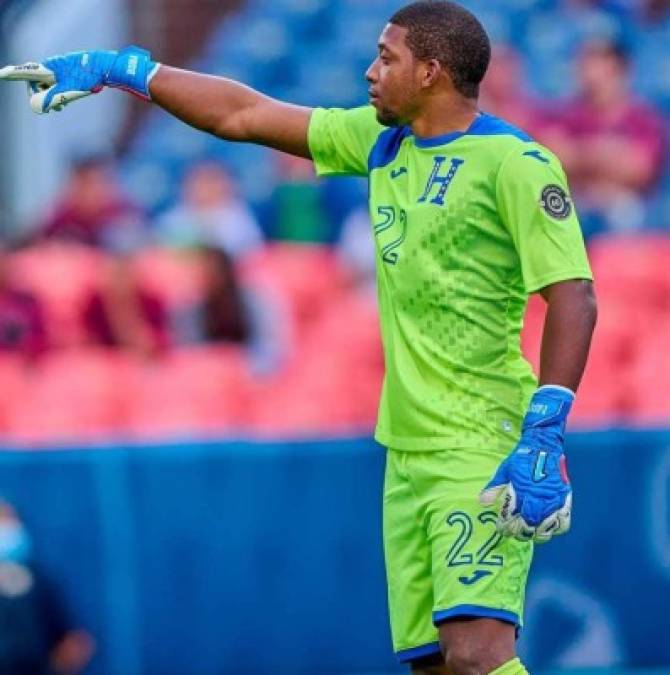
(434,141)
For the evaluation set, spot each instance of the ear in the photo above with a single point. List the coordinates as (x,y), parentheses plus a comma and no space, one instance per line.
(431,72)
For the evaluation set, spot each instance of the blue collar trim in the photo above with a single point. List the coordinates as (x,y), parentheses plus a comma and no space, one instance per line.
(483,125)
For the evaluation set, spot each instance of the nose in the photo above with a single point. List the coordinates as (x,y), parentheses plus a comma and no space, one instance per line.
(371,72)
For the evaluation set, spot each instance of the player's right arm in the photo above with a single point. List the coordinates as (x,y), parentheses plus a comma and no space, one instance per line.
(339,141)
(232,110)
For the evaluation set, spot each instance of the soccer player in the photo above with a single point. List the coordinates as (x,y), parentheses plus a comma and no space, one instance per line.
(469,216)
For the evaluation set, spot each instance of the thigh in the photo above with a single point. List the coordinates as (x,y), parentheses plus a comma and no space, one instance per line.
(476,572)
(408,566)
(477,645)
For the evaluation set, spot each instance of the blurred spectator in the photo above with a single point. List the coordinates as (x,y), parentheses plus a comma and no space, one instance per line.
(210,214)
(230,313)
(300,214)
(22,328)
(656,10)
(651,11)
(504,91)
(36,637)
(123,314)
(356,251)
(610,143)
(93,209)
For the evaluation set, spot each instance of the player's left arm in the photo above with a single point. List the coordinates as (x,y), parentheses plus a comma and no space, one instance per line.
(535,206)
(568,327)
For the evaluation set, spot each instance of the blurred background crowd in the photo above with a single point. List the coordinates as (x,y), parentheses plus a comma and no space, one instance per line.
(141,252)
(158,285)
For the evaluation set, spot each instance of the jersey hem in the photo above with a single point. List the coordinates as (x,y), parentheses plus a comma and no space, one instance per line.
(569,275)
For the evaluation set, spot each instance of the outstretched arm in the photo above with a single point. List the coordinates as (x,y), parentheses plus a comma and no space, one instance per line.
(214,104)
(231,110)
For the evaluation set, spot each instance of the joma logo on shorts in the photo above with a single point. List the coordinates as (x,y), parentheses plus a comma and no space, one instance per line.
(479,574)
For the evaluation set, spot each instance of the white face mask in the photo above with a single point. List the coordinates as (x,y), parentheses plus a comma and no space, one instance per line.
(15,544)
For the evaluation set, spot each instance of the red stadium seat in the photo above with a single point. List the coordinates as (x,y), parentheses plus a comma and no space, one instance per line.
(303,277)
(334,383)
(62,277)
(297,404)
(650,377)
(349,326)
(603,398)
(193,391)
(633,271)
(12,374)
(68,397)
(174,276)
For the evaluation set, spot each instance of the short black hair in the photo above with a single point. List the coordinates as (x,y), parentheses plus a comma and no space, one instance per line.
(442,30)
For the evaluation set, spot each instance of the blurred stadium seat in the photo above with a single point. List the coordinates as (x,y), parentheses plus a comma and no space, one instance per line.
(62,276)
(191,392)
(11,376)
(69,396)
(175,276)
(302,277)
(333,384)
(632,272)
(650,376)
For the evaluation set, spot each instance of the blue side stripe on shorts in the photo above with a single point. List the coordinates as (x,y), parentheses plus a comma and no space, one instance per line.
(405,655)
(476,610)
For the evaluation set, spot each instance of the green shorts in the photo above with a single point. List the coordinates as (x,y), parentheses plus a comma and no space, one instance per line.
(444,557)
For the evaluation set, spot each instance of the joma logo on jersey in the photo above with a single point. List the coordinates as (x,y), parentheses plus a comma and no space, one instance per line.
(441,181)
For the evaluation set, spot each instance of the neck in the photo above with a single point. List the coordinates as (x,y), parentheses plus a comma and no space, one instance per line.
(444,115)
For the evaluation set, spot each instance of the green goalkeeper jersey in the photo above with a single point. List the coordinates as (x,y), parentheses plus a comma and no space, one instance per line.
(466,226)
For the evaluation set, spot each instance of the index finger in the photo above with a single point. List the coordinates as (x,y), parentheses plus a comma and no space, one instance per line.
(28,72)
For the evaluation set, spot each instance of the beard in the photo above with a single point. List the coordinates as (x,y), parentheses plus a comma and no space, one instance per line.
(388,118)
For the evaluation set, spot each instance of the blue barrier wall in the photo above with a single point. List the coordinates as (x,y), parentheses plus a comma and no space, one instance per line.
(220,558)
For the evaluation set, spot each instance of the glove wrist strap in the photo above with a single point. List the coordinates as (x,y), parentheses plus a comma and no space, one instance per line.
(557,388)
(132,71)
(549,406)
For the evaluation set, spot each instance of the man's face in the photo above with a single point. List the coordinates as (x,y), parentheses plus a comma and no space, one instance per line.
(394,79)
(602,76)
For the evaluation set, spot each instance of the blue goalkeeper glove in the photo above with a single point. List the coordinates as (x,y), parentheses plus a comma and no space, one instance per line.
(533,480)
(59,80)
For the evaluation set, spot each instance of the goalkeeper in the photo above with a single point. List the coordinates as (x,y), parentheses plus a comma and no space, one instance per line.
(470,215)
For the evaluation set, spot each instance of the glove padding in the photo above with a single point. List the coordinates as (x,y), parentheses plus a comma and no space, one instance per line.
(59,80)
(533,480)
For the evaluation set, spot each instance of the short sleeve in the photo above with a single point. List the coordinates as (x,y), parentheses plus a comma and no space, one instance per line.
(536,208)
(340,140)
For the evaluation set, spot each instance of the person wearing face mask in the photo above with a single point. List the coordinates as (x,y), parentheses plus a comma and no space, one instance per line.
(35,635)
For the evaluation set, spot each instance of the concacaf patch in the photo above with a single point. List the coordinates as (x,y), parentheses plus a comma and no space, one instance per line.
(556,202)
